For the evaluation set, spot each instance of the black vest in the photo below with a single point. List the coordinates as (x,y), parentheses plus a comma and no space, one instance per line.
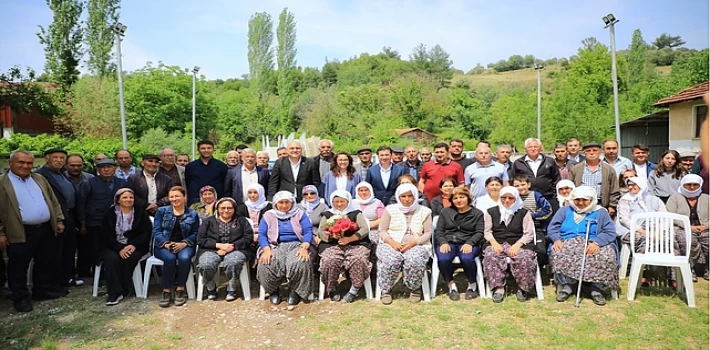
(100,198)
(510,233)
(353,217)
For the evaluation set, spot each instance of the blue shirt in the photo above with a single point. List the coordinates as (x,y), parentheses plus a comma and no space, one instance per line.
(620,164)
(199,174)
(33,206)
(123,175)
(476,175)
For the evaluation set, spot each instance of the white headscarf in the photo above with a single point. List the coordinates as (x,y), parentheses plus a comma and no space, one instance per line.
(281,195)
(561,184)
(402,189)
(587,193)
(642,183)
(345,195)
(363,201)
(507,213)
(690,179)
(310,207)
(261,202)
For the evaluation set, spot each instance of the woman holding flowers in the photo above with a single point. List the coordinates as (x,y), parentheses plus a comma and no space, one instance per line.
(344,246)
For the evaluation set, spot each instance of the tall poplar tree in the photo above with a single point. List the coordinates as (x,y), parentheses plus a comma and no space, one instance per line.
(286,61)
(62,40)
(100,37)
(260,54)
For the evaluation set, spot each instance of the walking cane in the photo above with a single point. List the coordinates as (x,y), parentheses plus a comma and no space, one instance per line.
(584,259)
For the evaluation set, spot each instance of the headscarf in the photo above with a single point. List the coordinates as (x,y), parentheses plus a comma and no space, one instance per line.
(642,183)
(261,202)
(366,201)
(280,195)
(561,184)
(310,206)
(507,213)
(209,208)
(345,195)
(585,192)
(691,179)
(226,199)
(120,227)
(402,189)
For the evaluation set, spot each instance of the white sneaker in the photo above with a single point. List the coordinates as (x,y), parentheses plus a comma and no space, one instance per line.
(110,301)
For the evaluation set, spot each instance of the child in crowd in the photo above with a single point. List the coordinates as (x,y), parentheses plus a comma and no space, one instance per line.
(541,211)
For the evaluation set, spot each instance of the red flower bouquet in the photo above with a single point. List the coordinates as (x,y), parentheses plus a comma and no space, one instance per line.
(340,226)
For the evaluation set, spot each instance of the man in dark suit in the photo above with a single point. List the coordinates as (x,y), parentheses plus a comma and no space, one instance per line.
(541,170)
(243,175)
(293,173)
(65,192)
(149,186)
(383,176)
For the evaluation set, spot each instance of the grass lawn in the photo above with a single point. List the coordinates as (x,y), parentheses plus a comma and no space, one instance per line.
(657,319)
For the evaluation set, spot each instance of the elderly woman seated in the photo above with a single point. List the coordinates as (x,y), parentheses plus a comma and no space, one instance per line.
(343,248)
(313,205)
(567,230)
(205,207)
(226,238)
(564,190)
(509,231)
(285,236)
(691,202)
(125,237)
(405,244)
(459,233)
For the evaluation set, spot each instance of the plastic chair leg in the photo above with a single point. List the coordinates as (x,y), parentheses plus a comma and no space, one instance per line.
(480,281)
(262,293)
(434,276)
(634,280)
(146,278)
(426,289)
(688,282)
(538,285)
(624,260)
(321,290)
(244,281)
(97,276)
(190,284)
(200,286)
(368,288)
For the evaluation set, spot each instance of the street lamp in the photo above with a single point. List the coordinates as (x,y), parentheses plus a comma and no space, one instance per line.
(194,104)
(120,30)
(539,68)
(610,21)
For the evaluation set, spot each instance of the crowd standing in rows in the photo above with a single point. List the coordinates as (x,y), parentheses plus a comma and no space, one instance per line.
(307,219)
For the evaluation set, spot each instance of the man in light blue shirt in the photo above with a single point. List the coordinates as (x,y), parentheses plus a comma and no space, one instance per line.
(484,168)
(611,157)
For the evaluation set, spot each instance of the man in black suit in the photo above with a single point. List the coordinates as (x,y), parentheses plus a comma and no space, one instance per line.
(244,174)
(65,192)
(293,173)
(541,170)
(149,186)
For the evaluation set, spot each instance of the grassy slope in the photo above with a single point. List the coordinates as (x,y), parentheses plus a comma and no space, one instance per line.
(517,76)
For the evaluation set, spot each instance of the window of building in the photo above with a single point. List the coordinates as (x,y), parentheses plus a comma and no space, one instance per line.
(700,112)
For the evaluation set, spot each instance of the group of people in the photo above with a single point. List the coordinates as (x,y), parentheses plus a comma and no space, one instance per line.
(306,219)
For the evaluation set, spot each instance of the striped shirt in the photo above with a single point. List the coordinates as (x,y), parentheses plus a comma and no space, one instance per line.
(593,178)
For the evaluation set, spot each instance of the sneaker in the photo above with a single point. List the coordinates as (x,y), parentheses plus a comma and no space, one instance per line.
(415,297)
(471,294)
(180,297)
(231,296)
(695,277)
(74,283)
(349,298)
(562,296)
(598,298)
(706,275)
(454,295)
(334,296)
(498,297)
(166,300)
(212,294)
(521,295)
(114,299)
(386,299)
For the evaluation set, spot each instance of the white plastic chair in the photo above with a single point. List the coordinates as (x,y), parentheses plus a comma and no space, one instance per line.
(538,279)
(625,256)
(152,262)
(137,277)
(660,238)
(367,285)
(243,279)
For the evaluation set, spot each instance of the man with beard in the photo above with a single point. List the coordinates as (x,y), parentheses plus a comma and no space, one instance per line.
(182,159)
(456,151)
(612,157)
(325,157)
(563,162)
(240,177)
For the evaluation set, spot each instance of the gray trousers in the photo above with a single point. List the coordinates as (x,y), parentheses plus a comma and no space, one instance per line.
(209,263)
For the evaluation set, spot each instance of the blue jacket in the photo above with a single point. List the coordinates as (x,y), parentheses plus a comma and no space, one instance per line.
(375,179)
(603,226)
(329,185)
(164,221)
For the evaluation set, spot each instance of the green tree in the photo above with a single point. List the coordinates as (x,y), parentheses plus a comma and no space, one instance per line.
(22,93)
(440,66)
(638,59)
(62,40)
(260,54)
(100,37)
(666,40)
(95,107)
(286,60)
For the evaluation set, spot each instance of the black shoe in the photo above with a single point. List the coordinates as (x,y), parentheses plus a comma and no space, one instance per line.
(334,296)
(454,295)
(293,299)
(231,296)
(706,275)
(274,297)
(23,306)
(349,298)
(521,295)
(471,294)
(114,299)
(166,300)
(212,294)
(180,297)
(598,298)
(47,295)
(695,277)
(562,296)
(498,297)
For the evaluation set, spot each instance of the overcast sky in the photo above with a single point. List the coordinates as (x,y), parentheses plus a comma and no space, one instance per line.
(212,34)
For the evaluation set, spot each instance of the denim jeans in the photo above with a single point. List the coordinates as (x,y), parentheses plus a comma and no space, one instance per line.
(467,260)
(182,261)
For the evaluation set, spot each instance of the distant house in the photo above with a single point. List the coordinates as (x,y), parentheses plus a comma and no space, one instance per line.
(30,122)
(416,135)
(650,130)
(686,112)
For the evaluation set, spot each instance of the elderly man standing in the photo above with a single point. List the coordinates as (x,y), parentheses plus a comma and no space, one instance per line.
(325,157)
(97,158)
(125,168)
(30,214)
(364,153)
(687,159)
(64,190)
(612,157)
(503,153)
(397,155)
(239,178)
(596,174)
(293,173)
(262,159)
(412,165)
(540,169)
(476,174)
(232,159)
(75,170)
(433,172)
(425,154)
(95,198)
(150,187)
(204,171)
(170,168)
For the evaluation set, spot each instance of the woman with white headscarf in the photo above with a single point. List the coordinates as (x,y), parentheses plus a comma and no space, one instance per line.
(254,206)
(405,244)
(637,200)
(372,209)
(508,230)
(564,190)
(285,236)
(568,230)
(313,205)
(344,251)
(690,201)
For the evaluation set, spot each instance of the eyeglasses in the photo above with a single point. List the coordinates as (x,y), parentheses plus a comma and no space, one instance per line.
(309,194)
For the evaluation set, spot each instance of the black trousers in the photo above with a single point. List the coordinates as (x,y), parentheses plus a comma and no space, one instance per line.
(119,272)
(87,251)
(3,274)
(40,245)
(67,251)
